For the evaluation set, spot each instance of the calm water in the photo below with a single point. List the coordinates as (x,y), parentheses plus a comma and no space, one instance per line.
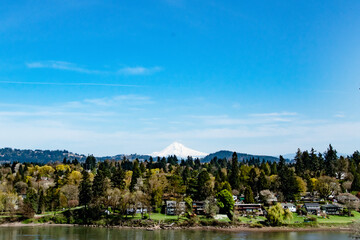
(82,233)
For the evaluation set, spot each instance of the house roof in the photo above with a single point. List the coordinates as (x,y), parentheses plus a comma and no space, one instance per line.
(330,206)
(311,205)
(287,205)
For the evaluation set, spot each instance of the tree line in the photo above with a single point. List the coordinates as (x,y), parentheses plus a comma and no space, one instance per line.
(124,184)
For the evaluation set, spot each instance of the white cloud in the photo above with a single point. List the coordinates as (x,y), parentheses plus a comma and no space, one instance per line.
(139,70)
(120,99)
(274,114)
(61,65)
(339,115)
(70,84)
(68,66)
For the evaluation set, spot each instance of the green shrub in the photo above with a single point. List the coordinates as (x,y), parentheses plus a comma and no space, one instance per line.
(59,219)
(27,221)
(45,219)
(146,216)
(101,222)
(256,225)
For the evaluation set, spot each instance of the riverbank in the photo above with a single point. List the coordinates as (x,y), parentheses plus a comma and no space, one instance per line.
(194,228)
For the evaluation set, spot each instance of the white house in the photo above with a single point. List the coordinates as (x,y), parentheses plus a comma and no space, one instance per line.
(289,206)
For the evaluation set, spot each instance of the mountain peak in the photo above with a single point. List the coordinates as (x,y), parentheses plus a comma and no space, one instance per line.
(179,150)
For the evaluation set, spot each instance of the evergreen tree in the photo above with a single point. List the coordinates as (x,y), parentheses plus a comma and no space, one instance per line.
(289,184)
(151,162)
(249,196)
(330,161)
(263,183)
(281,165)
(356,157)
(90,162)
(315,163)
(204,188)
(299,164)
(186,175)
(85,191)
(41,204)
(307,161)
(32,198)
(274,169)
(234,175)
(355,186)
(253,180)
(135,175)
(118,178)
(99,185)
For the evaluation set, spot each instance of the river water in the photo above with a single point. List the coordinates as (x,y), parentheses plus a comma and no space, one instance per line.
(82,233)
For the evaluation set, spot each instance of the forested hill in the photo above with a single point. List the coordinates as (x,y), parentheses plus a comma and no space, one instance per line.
(241,156)
(38,156)
(45,156)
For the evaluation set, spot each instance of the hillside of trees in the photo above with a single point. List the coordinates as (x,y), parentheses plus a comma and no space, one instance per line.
(46,156)
(241,156)
(27,188)
(37,156)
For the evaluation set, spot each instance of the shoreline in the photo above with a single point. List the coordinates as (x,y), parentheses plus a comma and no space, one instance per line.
(199,228)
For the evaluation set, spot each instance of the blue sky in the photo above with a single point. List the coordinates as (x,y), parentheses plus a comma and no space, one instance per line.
(110,77)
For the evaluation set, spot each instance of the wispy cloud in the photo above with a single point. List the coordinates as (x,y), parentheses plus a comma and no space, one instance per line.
(339,115)
(68,66)
(70,84)
(253,119)
(120,99)
(61,65)
(274,114)
(139,70)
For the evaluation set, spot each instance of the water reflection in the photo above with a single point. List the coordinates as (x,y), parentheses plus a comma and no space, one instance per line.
(84,233)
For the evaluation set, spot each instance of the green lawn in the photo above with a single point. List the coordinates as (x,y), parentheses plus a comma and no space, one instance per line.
(252,219)
(333,219)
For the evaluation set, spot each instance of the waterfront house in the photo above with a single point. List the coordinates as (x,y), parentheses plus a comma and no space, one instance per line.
(290,206)
(312,208)
(248,208)
(174,207)
(331,209)
(136,208)
(199,207)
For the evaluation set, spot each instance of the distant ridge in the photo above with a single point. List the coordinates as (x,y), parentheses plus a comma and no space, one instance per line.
(241,156)
(45,156)
(37,156)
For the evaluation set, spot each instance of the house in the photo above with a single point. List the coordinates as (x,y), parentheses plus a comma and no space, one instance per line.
(290,206)
(312,208)
(248,208)
(199,207)
(174,208)
(331,209)
(137,208)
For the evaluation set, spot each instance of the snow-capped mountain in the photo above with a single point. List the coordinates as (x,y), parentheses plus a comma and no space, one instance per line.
(179,150)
